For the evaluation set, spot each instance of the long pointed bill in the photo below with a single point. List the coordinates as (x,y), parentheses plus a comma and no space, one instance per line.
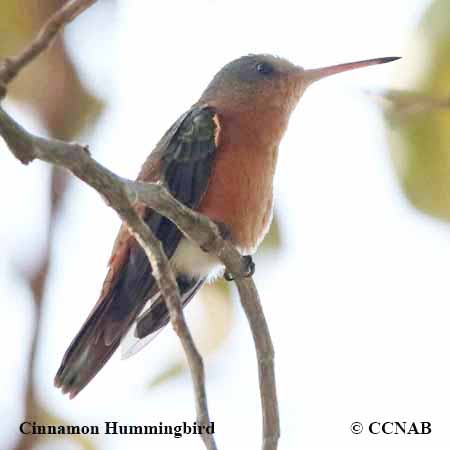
(313,75)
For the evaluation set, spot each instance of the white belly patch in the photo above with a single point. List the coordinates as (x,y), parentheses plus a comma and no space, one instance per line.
(190,259)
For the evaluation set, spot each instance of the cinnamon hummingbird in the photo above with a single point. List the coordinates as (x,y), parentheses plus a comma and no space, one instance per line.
(219,159)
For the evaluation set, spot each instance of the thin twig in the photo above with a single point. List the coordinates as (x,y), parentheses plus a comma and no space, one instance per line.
(10,67)
(265,353)
(403,104)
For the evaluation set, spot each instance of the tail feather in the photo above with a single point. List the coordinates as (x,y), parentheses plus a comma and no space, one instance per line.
(75,373)
(98,339)
(112,320)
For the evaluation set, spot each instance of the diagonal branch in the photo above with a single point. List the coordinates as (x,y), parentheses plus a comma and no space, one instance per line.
(10,67)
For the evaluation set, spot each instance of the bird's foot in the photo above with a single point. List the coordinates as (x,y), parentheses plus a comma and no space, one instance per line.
(248,266)
(248,269)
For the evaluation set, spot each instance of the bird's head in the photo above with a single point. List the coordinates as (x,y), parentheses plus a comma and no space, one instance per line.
(256,82)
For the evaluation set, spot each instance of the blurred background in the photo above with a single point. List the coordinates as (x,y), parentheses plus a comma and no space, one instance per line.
(353,275)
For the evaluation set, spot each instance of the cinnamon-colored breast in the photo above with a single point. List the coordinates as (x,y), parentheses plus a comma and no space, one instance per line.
(240,192)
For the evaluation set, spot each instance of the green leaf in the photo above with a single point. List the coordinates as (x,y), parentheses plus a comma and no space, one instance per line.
(420,119)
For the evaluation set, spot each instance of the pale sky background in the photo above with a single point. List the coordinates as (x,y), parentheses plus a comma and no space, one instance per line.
(357,300)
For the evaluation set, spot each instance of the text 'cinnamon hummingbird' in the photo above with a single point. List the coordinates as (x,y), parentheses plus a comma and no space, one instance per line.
(219,159)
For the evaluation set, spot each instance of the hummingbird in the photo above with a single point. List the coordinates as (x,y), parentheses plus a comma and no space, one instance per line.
(219,159)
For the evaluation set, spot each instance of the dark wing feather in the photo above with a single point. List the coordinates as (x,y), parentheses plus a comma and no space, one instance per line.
(182,160)
(151,321)
(158,316)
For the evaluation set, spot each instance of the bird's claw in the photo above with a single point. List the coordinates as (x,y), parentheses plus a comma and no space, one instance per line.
(228,277)
(248,266)
(248,269)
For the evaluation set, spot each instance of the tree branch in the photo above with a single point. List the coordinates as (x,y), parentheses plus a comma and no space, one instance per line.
(10,67)
(403,104)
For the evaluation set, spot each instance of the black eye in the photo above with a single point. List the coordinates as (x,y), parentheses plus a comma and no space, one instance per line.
(264,68)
